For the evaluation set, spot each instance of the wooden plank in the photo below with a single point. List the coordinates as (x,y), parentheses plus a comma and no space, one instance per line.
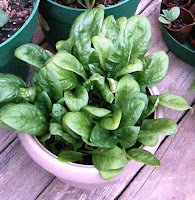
(38,36)
(20,177)
(175,178)
(142,6)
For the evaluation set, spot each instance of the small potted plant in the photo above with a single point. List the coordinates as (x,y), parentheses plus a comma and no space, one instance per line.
(88,111)
(17,24)
(178,22)
(177,3)
(57,16)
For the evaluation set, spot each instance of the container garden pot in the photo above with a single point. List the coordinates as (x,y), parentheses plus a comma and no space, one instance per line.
(191,38)
(172,3)
(10,64)
(56,20)
(78,175)
(181,34)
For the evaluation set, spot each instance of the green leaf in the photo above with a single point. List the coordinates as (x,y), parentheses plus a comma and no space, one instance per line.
(126,85)
(127,136)
(99,82)
(138,32)
(28,94)
(192,86)
(4,17)
(107,175)
(113,84)
(111,123)
(133,66)
(76,99)
(132,111)
(104,47)
(95,111)
(143,156)
(69,62)
(156,127)
(101,138)
(78,122)
(153,102)
(163,20)
(87,25)
(48,81)
(68,79)
(33,55)
(58,112)
(154,70)
(9,87)
(24,117)
(44,103)
(70,156)
(65,45)
(110,30)
(148,140)
(175,12)
(57,129)
(173,101)
(109,159)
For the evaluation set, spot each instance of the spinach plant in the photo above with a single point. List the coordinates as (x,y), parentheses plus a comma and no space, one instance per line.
(169,16)
(89,103)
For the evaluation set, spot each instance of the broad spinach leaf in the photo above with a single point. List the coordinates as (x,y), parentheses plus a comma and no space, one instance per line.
(101,138)
(143,156)
(9,87)
(65,45)
(95,111)
(109,159)
(58,112)
(70,156)
(107,175)
(68,79)
(173,101)
(24,117)
(87,25)
(155,67)
(68,62)
(76,99)
(127,136)
(49,82)
(33,55)
(104,48)
(111,123)
(78,122)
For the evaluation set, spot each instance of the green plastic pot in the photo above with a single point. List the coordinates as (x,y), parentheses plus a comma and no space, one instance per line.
(8,62)
(183,51)
(56,20)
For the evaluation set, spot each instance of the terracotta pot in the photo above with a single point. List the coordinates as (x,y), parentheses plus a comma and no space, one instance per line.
(83,176)
(182,34)
(171,3)
(192,9)
(191,38)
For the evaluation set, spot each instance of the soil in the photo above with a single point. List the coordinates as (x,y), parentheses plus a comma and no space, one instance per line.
(75,4)
(19,11)
(177,24)
(177,2)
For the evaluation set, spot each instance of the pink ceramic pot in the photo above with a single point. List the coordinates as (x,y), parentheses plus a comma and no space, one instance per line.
(83,176)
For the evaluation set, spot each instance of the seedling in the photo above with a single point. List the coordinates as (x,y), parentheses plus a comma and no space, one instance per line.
(4,18)
(169,16)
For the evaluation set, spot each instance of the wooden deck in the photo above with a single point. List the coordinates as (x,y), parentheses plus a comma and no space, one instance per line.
(22,179)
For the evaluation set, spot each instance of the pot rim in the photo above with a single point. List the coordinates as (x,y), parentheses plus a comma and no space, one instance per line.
(35,8)
(84,9)
(49,161)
